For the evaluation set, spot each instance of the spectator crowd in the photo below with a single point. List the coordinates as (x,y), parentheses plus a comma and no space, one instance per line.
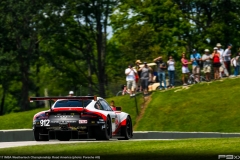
(215,65)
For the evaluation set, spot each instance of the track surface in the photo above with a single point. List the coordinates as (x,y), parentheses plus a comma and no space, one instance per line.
(31,143)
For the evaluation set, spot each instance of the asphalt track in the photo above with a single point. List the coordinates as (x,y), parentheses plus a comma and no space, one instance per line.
(32,143)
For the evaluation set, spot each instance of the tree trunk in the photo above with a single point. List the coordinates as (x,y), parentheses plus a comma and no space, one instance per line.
(2,102)
(101,53)
(37,88)
(24,102)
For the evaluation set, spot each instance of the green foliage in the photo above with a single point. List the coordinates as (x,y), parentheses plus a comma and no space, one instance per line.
(63,45)
(20,120)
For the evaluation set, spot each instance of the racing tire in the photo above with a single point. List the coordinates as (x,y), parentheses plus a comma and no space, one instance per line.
(37,137)
(106,133)
(127,130)
(64,139)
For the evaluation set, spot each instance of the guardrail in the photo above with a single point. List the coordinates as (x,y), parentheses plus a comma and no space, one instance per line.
(27,135)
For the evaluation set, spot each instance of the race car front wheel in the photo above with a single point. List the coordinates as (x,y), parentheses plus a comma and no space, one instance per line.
(106,133)
(126,131)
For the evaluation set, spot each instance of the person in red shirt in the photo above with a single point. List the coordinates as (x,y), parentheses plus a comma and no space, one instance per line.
(216,62)
(113,105)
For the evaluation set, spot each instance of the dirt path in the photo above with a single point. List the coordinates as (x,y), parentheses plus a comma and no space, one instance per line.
(144,105)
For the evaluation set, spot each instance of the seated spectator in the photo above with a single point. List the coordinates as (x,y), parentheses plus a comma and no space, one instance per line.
(112,105)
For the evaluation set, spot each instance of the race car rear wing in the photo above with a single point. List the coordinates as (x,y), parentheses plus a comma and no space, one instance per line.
(31,99)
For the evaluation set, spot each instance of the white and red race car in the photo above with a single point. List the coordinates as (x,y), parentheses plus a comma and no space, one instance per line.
(81,117)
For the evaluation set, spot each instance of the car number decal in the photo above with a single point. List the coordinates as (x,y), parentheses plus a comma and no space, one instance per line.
(83,121)
(44,122)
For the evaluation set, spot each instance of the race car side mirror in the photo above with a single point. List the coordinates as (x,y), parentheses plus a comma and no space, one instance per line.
(118,108)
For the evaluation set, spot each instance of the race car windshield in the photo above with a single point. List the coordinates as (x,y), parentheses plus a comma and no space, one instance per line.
(72,103)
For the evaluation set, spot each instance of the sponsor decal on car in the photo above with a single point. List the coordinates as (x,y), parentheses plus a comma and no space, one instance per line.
(82,121)
(63,116)
(113,120)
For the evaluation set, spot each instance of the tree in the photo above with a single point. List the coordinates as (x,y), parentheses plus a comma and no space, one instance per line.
(20,38)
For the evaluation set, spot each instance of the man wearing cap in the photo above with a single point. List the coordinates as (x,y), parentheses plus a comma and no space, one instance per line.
(130,78)
(145,71)
(196,60)
(207,64)
(138,82)
(71,93)
(161,68)
(227,58)
(222,69)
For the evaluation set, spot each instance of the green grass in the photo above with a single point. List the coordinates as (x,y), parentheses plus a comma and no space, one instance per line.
(23,120)
(151,149)
(20,120)
(207,107)
(129,105)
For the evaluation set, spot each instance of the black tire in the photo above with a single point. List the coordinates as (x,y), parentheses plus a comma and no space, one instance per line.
(106,133)
(37,137)
(127,130)
(64,139)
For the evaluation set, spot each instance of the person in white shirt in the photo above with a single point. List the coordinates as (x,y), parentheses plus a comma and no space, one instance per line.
(130,78)
(207,64)
(171,71)
(227,58)
(222,69)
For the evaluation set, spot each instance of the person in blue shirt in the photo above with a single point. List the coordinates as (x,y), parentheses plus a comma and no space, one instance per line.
(196,60)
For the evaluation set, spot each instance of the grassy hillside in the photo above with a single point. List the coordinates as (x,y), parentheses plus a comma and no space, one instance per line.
(208,107)
(23,120)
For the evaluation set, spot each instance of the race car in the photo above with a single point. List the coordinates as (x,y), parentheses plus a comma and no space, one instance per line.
(81,117)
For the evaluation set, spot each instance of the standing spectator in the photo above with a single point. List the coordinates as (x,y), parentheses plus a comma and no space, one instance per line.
(227,58)
(138,82)
(161,68)
(216,62)
(222,68)
(207,64)
(145,71)
(171,71)
(130,78)
(71,93)
(185,70)
(196,60)
(236,63)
